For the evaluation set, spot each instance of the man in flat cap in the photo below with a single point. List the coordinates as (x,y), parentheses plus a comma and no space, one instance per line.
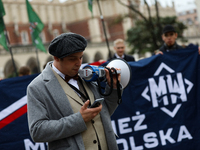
(58,101)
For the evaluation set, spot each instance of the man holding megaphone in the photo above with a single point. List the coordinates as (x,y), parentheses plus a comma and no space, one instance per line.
(60,102)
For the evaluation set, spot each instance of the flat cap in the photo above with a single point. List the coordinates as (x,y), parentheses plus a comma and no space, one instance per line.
(67,44)
(168,28)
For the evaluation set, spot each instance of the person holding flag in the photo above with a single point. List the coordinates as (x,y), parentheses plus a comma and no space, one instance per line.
(58,102)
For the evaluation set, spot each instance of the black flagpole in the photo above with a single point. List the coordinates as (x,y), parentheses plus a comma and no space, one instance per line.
(38,62)
(36,50)
(104,29)
(10,49)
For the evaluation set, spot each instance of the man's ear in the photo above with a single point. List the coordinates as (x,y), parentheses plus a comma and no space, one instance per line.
(115,48)
(162,36)
(56,58)
(176,34)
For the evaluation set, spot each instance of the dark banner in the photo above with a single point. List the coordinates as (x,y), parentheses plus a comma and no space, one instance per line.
(14,133)
(161,107)
(159,110)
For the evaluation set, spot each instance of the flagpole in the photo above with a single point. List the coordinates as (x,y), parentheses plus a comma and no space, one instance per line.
(38,62)
(36,27)
(37,58)
(104,29)
(10,49)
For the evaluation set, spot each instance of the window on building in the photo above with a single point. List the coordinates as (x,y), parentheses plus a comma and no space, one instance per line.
(183,13)
(191,11)
(55,33)
(24,37)
(189,21)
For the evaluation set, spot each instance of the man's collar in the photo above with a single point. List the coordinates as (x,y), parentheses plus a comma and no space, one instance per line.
(58,72)
(117,56)
(173,47)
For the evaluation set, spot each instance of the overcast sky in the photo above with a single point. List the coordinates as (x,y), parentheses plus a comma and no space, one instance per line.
(180,5)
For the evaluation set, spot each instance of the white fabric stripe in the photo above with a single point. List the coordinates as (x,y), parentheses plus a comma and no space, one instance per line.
(12,108)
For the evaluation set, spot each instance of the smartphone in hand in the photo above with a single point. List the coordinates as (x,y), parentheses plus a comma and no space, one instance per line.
(97,102)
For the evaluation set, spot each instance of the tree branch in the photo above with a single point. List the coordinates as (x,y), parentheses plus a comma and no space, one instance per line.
(133,9)
(151,25)
(158,18)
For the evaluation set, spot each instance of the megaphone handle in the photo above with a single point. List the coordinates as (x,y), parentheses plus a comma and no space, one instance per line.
(111,86)
(118,87)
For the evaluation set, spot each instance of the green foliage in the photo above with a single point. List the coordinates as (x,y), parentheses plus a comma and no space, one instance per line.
(145,36)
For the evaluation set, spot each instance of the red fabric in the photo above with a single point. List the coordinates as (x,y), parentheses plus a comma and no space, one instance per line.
(98,63)
(13,116)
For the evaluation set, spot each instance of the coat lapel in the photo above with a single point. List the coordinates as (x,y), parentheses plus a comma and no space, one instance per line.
(90,94)
(57,93)
(68,90)
(54,84)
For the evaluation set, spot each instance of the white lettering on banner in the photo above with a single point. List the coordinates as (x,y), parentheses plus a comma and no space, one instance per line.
(165,86)
(164,137)
(159,90)
(167,90)
(140,119)
(33,146)
(183,134)
(124,143)
(123,126)
(133,146)
(151,139)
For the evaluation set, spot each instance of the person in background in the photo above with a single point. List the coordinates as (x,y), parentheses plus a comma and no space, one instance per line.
(119,47)
(58,102)
(24,70)
(169,36)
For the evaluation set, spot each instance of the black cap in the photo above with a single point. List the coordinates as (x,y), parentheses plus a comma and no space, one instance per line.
(66,44)
(168,28)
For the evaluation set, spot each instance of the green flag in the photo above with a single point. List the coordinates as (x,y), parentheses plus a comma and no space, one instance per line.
(2,11)
(3,40)
(36,27)
(90,5)
(39,44)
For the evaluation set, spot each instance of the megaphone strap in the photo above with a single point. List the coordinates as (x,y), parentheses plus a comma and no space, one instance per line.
(85,97)
(111,84)
(118,87)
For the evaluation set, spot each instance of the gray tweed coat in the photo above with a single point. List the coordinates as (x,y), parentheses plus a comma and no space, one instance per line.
(51,118)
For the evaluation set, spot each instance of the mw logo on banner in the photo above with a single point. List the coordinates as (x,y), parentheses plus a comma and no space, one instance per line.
(167,90)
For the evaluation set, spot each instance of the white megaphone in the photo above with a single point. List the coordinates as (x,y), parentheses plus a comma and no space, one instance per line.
(92,73)
(125,70)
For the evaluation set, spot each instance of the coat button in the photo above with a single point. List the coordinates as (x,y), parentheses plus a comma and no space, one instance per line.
(92,121)
(95,141)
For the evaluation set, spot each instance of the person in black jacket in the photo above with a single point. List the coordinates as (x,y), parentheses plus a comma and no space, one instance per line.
(169,37)
(119,47)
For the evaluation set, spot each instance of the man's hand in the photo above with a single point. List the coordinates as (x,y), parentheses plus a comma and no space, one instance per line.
(89,113)
(158,52)
(114,78)
(199,50)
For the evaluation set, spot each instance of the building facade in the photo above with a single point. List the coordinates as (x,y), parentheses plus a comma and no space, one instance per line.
(190,19)
(163,11)
(197,2)
(70,16)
